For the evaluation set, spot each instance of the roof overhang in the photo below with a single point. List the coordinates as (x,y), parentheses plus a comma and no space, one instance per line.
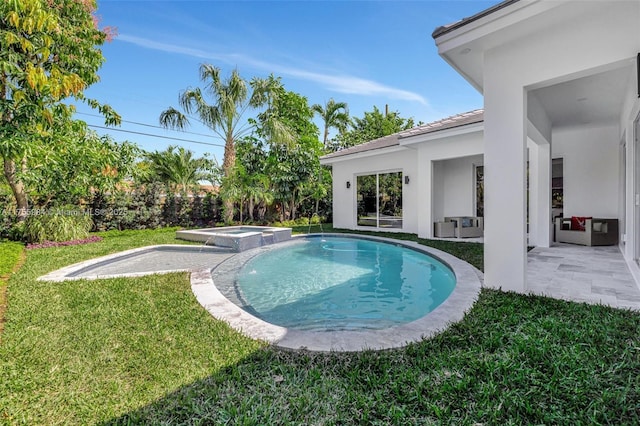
(463,44)
(443,134)
(359,155)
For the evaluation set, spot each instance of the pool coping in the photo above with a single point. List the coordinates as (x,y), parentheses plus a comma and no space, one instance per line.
(452,310)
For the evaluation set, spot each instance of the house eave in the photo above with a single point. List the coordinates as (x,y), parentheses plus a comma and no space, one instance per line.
(463,45)
(440,31)
(359,155)
(442,134)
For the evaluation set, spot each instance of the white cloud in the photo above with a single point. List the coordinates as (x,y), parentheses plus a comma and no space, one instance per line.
(337,83)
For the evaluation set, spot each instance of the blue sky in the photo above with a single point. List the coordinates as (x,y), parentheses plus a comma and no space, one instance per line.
(364,53)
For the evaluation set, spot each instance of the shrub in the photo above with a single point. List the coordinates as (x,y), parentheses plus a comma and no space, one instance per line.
(7,212)
(314,220)
(16,231)
(58,224)
(139,209)
(211,209)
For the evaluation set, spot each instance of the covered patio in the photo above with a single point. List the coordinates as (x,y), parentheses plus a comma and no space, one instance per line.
(560,80)
(582,274)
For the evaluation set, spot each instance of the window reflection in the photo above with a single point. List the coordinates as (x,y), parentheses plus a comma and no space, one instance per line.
(380,200)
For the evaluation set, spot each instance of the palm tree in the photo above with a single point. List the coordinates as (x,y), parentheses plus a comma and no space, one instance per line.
(232,98)
(334,114)
(178,168)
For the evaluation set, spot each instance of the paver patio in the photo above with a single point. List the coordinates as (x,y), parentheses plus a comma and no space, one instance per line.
(582,274)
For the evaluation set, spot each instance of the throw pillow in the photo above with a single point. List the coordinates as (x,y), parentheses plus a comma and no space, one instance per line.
(578,222)
(467,222)
(597,226)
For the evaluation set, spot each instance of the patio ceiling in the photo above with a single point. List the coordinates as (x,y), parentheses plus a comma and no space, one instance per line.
(592,99)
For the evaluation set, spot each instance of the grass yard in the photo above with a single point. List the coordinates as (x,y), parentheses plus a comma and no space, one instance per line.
(11,257)
(143,351)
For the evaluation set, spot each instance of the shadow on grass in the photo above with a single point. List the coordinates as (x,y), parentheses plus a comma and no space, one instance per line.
(514,359)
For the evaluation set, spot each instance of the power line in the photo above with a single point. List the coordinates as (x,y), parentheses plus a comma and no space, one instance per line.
(155,136)
(150,125)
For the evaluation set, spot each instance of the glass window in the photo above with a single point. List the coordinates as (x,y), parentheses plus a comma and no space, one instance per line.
(380,200)
(557,184)
(480,191)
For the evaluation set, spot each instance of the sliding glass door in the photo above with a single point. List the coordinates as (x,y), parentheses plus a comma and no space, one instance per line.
(380,200)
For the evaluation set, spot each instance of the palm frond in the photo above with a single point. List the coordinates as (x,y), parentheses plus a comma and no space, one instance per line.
(191,101)
(171,118)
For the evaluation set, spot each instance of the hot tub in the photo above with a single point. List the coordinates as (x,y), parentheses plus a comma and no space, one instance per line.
(238,238)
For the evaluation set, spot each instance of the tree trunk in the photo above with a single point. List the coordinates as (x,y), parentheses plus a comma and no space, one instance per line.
(251,207)
(227,165)
(326,136)
(293,206)
(17,187)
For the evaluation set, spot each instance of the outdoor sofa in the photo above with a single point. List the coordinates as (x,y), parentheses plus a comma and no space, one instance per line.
(587,231)
(460,227)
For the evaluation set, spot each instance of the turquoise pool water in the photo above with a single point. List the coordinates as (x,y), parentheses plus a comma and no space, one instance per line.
(337,283)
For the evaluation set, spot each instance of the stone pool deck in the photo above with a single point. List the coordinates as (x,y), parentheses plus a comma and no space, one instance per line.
(147,260)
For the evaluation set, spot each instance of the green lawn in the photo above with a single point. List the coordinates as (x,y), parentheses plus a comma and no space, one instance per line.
(10,253)
(143,351)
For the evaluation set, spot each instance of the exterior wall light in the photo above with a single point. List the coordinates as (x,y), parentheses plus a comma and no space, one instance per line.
(406,180)
(348,184)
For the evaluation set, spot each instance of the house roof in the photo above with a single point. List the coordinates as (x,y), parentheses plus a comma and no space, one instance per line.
(464,21)
(384,142)
(458,120)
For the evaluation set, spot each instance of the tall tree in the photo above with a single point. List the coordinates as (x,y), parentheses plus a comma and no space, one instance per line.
(76,161)
(373,125)
(224,116)
(251,166)
(290,167)
(50,52)
(334,115)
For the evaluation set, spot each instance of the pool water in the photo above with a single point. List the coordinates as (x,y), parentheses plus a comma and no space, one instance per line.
(337,283)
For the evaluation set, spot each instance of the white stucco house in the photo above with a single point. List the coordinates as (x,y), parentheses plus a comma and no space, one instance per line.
(561,89)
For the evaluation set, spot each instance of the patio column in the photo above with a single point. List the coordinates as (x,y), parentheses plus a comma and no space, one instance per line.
(505,254)
(539,194)
(425,198)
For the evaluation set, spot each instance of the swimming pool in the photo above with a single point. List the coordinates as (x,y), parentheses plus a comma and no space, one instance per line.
(217,290)
(338,283)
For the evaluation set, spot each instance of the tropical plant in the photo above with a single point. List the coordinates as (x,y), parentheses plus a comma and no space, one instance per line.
(73,163)
(177,167)
(292,166)
(50,52)
(251,166)
(334,115)
(66,223)
(232,98)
